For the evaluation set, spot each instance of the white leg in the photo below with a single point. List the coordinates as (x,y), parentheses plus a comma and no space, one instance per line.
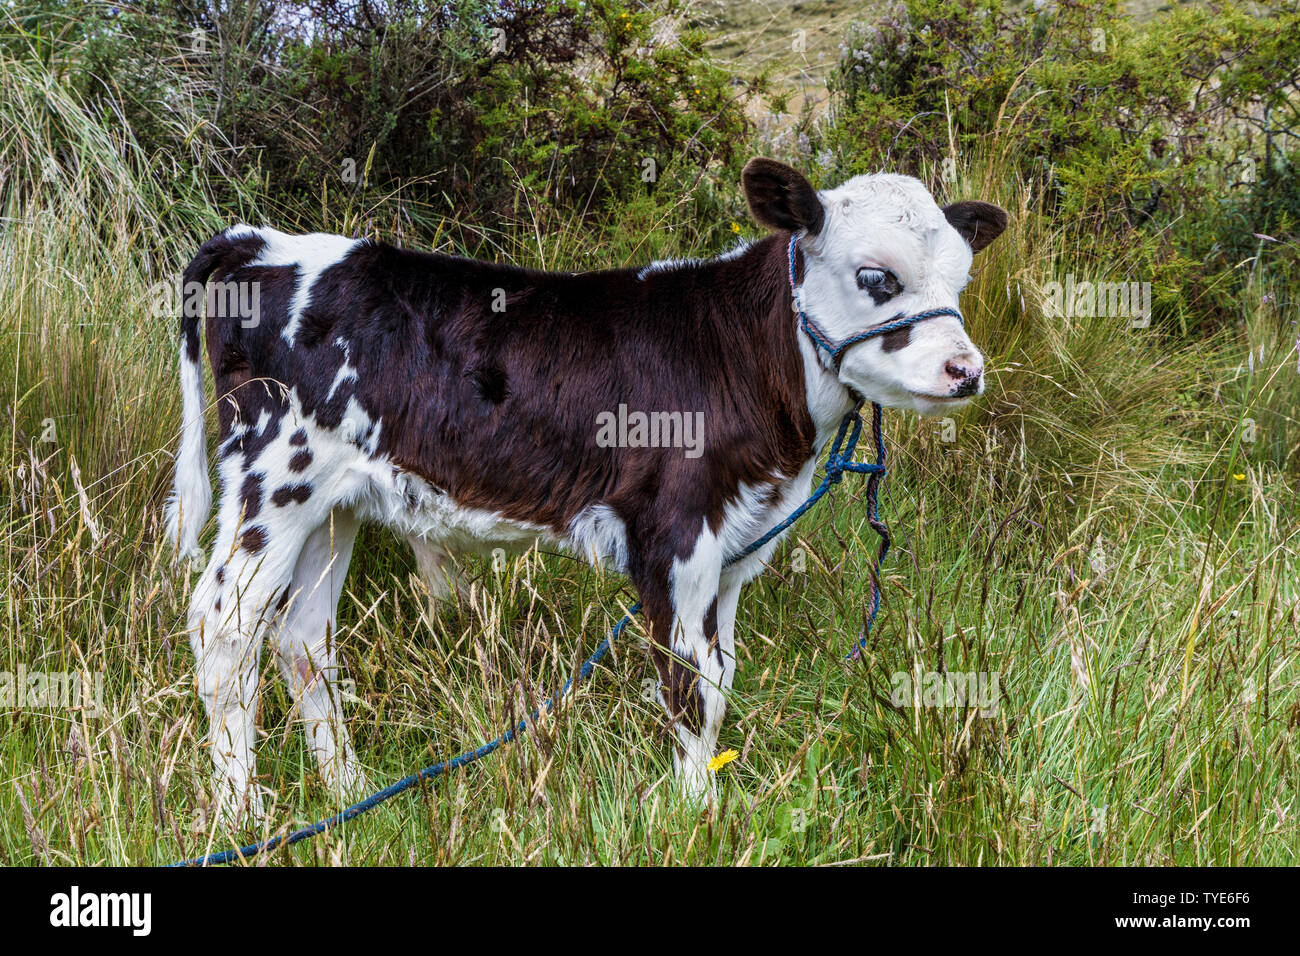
(728,598)
(236,599)
(694,587)
(307,653)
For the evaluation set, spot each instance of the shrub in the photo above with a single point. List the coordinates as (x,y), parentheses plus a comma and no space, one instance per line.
(1164,140)
(470,108)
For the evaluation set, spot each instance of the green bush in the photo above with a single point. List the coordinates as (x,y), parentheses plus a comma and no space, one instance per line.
(1159,146)
(419,109)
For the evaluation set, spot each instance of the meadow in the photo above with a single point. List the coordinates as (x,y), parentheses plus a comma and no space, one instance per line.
(1106,543)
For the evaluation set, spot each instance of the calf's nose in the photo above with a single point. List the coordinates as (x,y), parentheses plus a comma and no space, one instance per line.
(965,372)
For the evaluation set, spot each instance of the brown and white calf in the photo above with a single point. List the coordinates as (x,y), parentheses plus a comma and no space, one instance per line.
(461,404)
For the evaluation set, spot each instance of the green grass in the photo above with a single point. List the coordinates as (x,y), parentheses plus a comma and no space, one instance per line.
(1098,535)
(1167,759)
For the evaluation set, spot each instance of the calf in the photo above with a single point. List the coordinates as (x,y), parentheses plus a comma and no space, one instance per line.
(471,406)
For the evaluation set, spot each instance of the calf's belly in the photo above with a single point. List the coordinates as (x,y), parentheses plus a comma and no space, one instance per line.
(413,507)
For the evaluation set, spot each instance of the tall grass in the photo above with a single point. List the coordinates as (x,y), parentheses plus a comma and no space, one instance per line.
(1099,535)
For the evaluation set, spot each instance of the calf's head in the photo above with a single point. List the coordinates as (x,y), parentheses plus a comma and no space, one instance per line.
(876,248)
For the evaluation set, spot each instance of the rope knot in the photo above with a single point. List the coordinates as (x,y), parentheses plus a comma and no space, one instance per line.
(835,466)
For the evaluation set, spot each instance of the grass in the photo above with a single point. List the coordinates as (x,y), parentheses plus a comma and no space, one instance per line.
(1102,534)
(796,44)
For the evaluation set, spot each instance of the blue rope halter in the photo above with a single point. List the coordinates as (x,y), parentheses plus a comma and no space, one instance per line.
(827,344)
(838,461)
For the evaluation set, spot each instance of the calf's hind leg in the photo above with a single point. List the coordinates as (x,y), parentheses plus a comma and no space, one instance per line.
(238,597)
(267,511)
(306,649)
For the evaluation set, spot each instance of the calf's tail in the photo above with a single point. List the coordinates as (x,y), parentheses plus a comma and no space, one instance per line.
(191,497)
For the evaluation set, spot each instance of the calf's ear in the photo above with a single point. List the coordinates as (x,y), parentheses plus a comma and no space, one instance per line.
(978,222)
(781,198)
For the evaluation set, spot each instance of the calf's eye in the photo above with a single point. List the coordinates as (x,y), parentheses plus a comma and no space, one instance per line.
(881,284)
(871,278)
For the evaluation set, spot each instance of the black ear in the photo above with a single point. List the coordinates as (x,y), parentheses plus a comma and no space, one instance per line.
(780,198)
(978,222)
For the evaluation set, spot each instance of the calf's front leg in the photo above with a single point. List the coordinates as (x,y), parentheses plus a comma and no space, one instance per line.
(681,605)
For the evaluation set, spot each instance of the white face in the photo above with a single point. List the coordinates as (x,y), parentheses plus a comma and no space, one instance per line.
(886,250)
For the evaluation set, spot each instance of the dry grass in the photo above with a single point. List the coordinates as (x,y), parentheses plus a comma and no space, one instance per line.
(1097,536)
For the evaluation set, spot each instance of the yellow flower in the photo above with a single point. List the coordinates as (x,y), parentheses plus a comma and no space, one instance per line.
(735,227)
(1239,477)
(722,759)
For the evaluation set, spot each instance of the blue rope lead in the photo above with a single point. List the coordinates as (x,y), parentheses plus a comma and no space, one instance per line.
(838,461)
(406,783)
